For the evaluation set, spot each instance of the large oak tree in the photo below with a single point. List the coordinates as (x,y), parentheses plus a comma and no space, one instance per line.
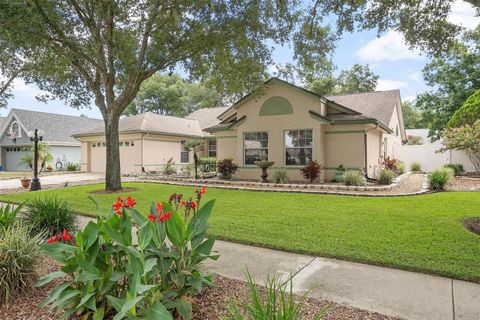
(103,50)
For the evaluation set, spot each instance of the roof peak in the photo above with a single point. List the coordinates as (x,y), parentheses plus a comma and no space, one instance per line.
(358,93)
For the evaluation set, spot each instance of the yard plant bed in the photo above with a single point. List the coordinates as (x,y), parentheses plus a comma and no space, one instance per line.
(212,304)
(418,233)
(473,224)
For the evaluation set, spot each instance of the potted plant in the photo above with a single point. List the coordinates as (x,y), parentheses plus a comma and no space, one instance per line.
(340,173)
(25,182)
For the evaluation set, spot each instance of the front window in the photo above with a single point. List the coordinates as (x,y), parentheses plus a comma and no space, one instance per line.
(212,148)
(183,153)
(256,147)
(15,129)
(298,147)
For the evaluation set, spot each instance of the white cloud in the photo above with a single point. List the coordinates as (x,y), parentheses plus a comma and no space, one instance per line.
(389,47)
(415,76)
(388,84)
(463,14)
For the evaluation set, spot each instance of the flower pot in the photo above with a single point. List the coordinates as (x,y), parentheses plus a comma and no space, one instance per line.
(339,176)
(25,183)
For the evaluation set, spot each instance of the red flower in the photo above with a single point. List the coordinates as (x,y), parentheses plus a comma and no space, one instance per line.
(129,202)
(203,190)
(52,239)
(66,236)
(117,206)
(165,216)
(183,203)
(193,205)
(159,207)
(152,217)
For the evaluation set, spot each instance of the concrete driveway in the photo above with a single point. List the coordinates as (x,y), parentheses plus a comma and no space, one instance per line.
(53,179)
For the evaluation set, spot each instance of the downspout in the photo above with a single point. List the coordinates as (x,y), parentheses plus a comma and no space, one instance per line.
(141,153)
(366,152)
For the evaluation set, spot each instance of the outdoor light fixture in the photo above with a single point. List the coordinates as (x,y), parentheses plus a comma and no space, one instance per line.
(35,136)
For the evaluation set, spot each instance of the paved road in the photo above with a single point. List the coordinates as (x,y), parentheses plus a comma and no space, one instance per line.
(52,179)
(398,293)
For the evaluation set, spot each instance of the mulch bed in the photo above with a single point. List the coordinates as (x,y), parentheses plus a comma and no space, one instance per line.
(103,191)
(464,183)
(472,224)
(212,304)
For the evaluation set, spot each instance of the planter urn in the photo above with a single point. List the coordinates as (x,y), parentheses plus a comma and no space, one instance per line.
(25,182)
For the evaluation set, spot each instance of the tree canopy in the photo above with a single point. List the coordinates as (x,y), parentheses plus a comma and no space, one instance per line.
(411,116)
(455,76)
(172,95)
(357,79)
(468,113)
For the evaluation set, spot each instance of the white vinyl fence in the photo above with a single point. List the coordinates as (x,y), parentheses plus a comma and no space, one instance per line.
(430,159)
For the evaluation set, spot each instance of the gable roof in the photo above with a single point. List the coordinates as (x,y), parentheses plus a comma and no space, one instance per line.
(57,127)
(150,122)
(207,117)
(376,104)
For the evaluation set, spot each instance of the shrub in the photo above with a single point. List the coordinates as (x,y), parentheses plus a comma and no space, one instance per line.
(169,168)
(280,176)
(18,257)
(415,166)
(400,167)
(391,164)
(439,178)
(50,215)
(278,302)
(354,178)
(311,171)
(70,166)
(8,214)
(227,168)
(456,167)
(386,176)
(154,279)
(208,164)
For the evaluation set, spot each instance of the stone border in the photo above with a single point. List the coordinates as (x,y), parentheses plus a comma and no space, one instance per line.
(294,188)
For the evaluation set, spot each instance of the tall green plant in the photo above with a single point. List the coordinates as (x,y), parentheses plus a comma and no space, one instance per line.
(44,156)
(195,146)
(154,279)
(8,214)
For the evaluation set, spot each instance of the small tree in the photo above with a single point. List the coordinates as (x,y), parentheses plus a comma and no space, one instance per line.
(311,171)
(195,146)
(467,139)
(44,156)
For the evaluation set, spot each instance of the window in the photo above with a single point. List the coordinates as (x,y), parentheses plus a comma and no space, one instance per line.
(127,143)
(298,147)
(256,147)
(120,143)
(183,152)
(212,148)
(15,129)
(132,143)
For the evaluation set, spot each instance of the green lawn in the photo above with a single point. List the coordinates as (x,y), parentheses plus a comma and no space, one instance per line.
(422,233)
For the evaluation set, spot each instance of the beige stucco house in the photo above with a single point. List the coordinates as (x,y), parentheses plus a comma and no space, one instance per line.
(283,123)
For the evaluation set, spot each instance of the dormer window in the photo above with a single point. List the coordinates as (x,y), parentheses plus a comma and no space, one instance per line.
(15,130)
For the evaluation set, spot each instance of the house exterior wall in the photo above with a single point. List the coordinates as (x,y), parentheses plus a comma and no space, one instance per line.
(394,140)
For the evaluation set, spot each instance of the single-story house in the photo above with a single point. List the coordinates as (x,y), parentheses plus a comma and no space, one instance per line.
(283,123)
(14,140)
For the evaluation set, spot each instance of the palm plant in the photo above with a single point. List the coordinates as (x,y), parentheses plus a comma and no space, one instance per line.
(44,156)
(195,146)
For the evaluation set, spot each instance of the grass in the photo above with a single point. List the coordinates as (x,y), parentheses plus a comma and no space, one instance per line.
(421,233)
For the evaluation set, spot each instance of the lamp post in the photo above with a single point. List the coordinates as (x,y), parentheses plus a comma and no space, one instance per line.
(35,136)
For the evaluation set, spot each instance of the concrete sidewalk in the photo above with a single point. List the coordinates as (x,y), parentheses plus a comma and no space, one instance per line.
(392,292)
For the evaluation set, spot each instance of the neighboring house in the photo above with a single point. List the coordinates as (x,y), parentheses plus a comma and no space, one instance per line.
(284,123)
(14,140)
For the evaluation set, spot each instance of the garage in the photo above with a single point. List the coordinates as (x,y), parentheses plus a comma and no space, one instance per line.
(13,156)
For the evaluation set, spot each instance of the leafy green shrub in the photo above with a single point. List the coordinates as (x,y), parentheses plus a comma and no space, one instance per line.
(400,167)
(353,178)
(169,168)
(154,279)
(70,166)
(278,303)
(456,167)
(50,215)
(227,168)
(8,214)
(386,176)
(439,178)
(18,256)
(415,166)
(208,164)
(280,176)
(311,171)
(391,164)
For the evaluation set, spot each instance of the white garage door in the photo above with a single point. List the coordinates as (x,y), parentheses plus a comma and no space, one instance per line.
(13,156)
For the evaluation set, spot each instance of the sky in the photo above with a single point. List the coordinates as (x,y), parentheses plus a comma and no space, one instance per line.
(387,55)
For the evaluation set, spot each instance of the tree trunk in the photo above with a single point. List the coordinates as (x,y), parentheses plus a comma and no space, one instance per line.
(113,179)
